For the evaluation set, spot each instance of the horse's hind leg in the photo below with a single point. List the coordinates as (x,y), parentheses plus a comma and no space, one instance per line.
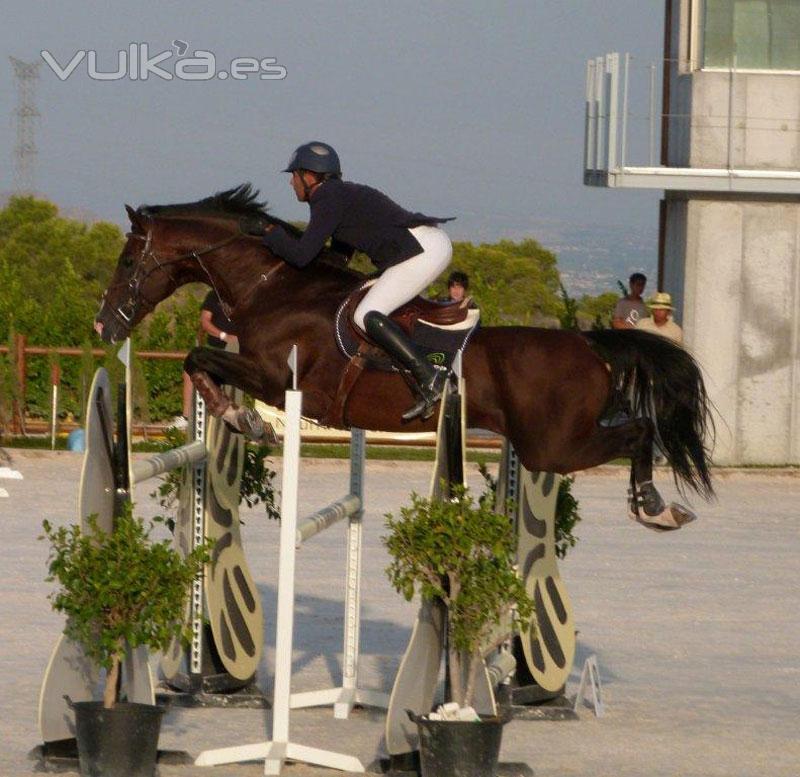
(629,440)
(644,501)
(209,368)
(634,440)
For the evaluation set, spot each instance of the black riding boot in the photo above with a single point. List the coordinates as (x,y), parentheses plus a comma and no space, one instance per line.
(402,351)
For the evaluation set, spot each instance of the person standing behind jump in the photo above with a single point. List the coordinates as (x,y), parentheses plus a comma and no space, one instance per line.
(631,307)
(409,250)
(661,322)
(220,331)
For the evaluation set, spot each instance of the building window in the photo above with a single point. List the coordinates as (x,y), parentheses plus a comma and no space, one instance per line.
(760,34)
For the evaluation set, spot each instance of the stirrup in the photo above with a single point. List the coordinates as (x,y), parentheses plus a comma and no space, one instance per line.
(430,396)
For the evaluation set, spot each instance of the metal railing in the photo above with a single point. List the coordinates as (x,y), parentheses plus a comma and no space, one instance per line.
(693,147)
(607,137)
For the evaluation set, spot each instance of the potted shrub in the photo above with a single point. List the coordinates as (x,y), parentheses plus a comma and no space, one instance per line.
(119,591)
(461,553)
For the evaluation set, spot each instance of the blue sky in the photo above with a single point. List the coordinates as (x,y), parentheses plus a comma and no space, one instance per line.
(473,109)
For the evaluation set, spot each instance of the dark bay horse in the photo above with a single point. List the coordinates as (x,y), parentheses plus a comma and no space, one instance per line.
(547,391)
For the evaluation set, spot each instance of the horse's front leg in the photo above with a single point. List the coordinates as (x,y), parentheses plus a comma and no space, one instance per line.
(210,369)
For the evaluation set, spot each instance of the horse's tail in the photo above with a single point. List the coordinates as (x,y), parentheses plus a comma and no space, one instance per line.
(664,382)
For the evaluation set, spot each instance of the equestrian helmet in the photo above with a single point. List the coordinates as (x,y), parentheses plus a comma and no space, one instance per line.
(315,156)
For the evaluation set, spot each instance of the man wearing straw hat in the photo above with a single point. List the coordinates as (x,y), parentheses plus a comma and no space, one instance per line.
(661,323)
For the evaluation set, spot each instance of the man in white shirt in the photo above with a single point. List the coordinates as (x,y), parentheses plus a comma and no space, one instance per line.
(661,323)
(631,308)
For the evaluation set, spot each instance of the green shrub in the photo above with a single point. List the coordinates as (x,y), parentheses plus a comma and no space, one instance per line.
(567,513)
(462,554)
(119,589)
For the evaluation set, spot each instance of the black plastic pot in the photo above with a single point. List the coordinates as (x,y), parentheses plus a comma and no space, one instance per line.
(117,742)
(454,748)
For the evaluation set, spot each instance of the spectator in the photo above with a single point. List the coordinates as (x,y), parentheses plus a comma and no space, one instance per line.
(631,307)
(219,332)
(661,323)
(458,288)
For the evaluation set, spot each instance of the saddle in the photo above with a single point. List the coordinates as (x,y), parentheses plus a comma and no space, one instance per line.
(418,309)
(440,328)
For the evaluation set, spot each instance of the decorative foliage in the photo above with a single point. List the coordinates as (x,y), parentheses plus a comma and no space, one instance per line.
(119,589)
(257,479)
(567,512)
(567,516)
(461,553)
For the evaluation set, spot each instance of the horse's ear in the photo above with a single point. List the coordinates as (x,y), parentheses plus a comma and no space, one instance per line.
(135,217)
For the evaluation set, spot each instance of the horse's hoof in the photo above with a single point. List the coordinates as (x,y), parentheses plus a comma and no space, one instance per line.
(683,515)
(669,519)
(248,422)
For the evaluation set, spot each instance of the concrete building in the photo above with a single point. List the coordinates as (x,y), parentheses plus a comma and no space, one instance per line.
(730,217)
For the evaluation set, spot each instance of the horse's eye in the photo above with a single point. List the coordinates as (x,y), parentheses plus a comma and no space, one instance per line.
(126,260)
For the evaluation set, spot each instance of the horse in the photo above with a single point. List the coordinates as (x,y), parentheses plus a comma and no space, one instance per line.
(555,394)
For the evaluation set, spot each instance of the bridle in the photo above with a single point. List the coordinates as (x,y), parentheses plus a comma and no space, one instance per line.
(148,263)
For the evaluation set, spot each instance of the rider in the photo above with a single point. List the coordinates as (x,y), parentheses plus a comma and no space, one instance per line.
(409,250)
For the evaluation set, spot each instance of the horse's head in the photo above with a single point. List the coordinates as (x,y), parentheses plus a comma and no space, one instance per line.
(144,276)
(170,245)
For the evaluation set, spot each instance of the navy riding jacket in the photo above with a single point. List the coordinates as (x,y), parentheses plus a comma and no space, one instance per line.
(356,217)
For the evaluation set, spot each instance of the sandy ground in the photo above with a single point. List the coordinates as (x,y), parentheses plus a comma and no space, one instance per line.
(696,632)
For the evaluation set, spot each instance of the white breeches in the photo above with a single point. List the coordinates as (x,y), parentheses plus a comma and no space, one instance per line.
(405,280)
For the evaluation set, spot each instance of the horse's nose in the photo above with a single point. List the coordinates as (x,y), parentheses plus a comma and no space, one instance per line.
(98,327)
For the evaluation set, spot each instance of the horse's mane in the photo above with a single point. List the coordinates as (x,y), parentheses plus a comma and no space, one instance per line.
(240,201)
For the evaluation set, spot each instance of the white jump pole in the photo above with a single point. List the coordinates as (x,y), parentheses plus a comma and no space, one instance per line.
(345,697)
(279,749)
(159,463)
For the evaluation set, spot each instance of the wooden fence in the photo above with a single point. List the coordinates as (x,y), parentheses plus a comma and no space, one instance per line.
(20,351)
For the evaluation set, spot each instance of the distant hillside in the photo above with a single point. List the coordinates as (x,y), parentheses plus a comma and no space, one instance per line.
(590,257)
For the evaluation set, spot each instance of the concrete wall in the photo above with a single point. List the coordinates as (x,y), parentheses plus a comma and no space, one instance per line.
(673,278)
(764,132)
(738,262)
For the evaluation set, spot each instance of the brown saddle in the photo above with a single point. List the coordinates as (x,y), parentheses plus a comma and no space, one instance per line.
(417,309)
(407,316)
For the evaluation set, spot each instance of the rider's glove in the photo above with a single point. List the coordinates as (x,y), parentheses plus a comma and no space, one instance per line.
(255,225)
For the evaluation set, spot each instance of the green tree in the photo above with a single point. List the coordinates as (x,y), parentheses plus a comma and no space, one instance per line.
(597,311)
(23,210)
(513,283)
(569,315)
(54,271)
